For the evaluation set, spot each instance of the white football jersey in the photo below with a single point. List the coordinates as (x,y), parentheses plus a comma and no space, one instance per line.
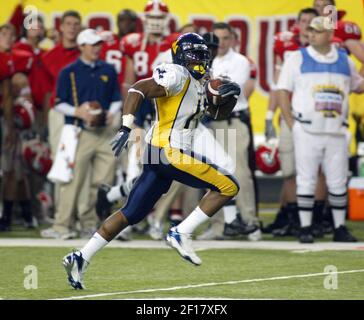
(178,113)
(321,85)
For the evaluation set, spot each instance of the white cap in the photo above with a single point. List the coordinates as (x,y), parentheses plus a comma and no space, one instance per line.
(88,36)
(321,24)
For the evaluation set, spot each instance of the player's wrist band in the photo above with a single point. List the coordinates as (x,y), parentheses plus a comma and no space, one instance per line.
(125,128)
(269,115)
(128,120)
(136,91)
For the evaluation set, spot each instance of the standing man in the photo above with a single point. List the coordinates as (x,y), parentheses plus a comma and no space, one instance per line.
(179,93)
(320,78)
(54,61)
(64,53)
(40,86)
(236,67)
(88,81)
(14,90)
(286,43)
(38,77)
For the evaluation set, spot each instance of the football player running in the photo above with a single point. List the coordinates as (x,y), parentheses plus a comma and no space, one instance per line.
(179,94)
(139,51)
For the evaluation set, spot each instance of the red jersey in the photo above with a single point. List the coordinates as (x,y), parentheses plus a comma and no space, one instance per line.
(6,66)
(286,42)
(347,30)
(22,60)
(55,60)
(143,54)
(111,53)
(15,61)
(167,42)
(39,79)
(5,71)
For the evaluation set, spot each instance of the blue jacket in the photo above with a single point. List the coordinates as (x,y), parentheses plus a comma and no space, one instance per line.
(79,82)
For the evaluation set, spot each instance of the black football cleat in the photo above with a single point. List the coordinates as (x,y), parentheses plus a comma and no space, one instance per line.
(232,229)
(327,227)
(305,235)
(281,221)
(317,230)
(342,234)
(4,225)
(238,227)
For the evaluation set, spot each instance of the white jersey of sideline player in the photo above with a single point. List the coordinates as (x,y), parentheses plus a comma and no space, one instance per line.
(320,99)
(235,67)
(321,85)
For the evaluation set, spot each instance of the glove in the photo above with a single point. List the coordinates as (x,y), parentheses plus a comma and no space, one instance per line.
(120,141)
(229,89)
(270,131)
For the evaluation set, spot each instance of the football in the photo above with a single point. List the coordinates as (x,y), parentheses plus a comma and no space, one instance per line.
(219,108)
(212,91)
(99,115)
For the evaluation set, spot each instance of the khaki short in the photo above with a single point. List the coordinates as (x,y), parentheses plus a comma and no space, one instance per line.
(286,151)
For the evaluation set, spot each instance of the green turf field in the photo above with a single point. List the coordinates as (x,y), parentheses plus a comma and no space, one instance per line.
(116,273)
(356,227)
(251,274)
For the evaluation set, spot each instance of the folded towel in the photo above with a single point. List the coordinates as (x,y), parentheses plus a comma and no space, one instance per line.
(64,163)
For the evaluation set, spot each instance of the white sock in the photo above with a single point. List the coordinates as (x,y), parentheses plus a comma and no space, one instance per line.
(114,194)
(339,217)
(230,213)
(95,244)
(196,218)
(305,218)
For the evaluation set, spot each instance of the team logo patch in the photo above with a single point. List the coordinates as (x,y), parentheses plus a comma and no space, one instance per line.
(174,47)
(104,78)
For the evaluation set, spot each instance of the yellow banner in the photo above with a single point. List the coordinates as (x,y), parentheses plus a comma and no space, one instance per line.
(255,21)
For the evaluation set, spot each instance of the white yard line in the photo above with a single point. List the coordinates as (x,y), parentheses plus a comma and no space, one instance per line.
(203,285)
(199,245)
(188,298)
